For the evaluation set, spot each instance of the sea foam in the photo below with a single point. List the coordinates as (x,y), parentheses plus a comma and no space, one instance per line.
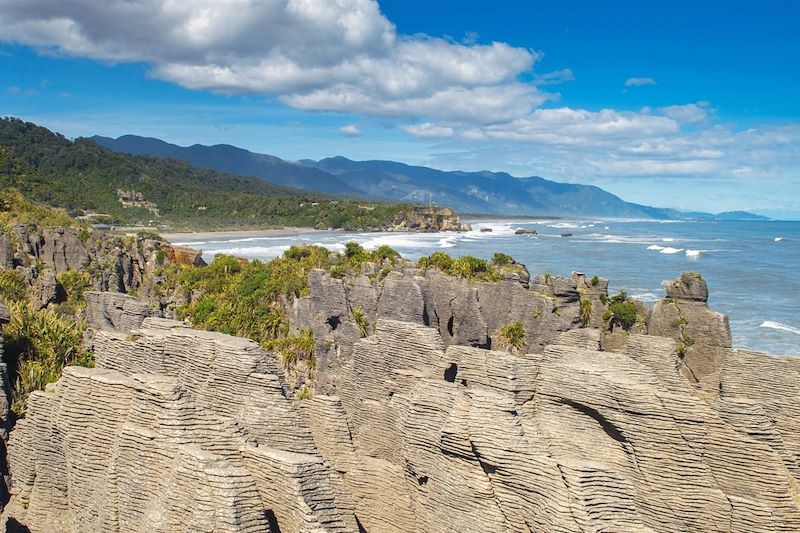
(777,325)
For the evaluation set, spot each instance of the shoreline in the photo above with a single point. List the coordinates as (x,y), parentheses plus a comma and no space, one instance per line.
(239,234)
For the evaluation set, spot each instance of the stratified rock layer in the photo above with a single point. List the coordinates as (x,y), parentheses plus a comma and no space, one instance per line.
(181,430)
(174,430)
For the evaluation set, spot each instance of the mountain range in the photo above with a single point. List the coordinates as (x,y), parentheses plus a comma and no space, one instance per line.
(496,193)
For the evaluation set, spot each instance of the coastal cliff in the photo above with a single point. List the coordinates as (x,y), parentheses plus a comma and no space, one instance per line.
(592,426)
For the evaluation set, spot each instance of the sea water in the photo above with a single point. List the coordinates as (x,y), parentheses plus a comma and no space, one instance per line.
(750,267)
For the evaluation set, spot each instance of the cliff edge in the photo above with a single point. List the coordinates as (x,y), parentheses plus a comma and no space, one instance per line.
(183,430)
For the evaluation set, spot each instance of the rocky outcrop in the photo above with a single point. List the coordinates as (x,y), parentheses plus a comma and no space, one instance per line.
(123,264)
(177,430)
(173,430)
(113,311)
(464,312)
(428,219)
(703,335)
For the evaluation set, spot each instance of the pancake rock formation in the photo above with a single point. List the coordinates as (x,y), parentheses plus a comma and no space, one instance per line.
(183,430)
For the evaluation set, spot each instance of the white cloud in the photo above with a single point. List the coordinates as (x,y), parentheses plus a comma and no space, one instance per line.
(555,77)
(429,131)
(336,55)
(639,82)
(689,113)
(346,56)
(350,130)
(581,145)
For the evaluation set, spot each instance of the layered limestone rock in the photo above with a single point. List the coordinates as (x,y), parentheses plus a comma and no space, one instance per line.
(428,219)
(465,312)
(178,430)
(113,263)
(114,311)
(569,440)
(173,430)
(418,425)
(703,335)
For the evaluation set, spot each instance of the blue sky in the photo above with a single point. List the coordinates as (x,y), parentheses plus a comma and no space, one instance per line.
(676,104)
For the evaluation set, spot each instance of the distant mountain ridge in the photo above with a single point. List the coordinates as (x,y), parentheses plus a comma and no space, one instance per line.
(482,192)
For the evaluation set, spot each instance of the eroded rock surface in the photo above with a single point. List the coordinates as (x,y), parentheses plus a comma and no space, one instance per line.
(464,312)
(179,430)
(173,430)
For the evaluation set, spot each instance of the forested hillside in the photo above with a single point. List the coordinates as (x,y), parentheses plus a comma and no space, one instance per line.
(83,177)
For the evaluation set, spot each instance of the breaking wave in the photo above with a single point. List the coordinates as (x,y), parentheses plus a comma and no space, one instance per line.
(777,325)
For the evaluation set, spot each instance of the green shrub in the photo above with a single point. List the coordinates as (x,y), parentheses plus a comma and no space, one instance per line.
(511,337)
(384,252)
(361,321)
(501,259)
(39,344)
(466,266)
(12,287)
(595,280)
(621,311)
(586,311)
(299,348)
(75,284)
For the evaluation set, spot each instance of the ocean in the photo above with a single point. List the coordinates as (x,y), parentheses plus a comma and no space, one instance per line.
(750,267)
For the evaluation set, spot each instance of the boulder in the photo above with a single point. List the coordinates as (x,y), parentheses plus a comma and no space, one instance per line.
(690,286)
(184,255)
(113,311)
(525,231)
(46,290)
(703,336)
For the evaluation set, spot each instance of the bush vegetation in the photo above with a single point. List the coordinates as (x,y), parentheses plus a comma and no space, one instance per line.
(621,312)
(39,344)
(511,337)
(466,266)
(586,311)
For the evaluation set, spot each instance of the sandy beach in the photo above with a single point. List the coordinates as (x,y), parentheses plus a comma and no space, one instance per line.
(192,236)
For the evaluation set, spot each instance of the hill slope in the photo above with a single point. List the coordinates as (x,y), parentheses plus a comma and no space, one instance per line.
(227,158)
(83,177)
(474,192)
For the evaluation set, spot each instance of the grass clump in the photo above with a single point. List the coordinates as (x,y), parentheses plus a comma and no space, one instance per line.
(294,349)
(511,337)
(595,280)
(586,311)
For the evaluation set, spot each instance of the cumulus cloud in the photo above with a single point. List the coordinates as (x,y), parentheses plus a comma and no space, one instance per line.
(639,82)
(581,145)
(346,56)
(350,130)
(336,55)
